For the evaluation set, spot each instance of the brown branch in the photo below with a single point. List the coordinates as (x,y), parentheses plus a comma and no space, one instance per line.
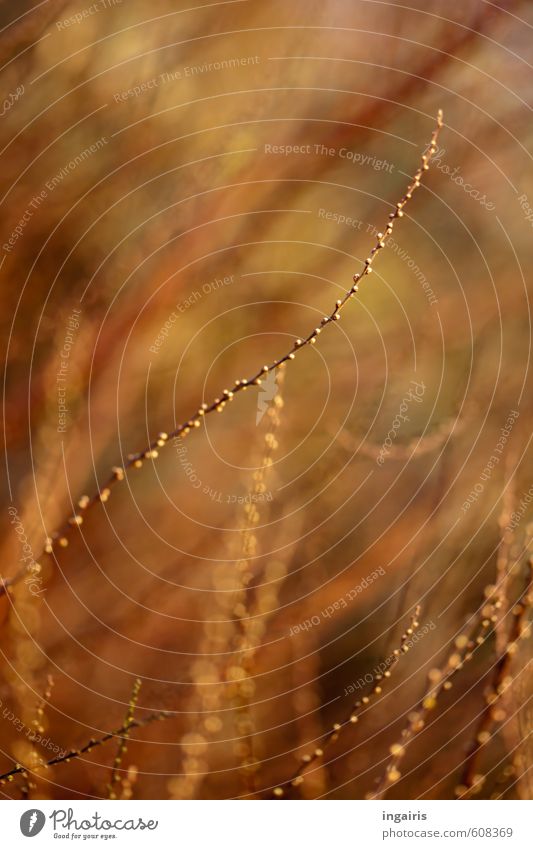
(352,716)
(136,460)
(439,681)
(18,769)
(122,746)
(502,680)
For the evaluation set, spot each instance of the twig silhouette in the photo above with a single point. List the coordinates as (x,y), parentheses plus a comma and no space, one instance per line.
(353,714)
(123,742)
(500,683)
(18,769)
(439,681)
(151,452)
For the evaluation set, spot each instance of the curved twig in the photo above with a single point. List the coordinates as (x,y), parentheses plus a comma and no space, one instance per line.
(135,461)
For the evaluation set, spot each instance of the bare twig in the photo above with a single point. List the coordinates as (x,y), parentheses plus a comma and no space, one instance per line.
(352,716)
(18,769)
(122,746)
(416,447)
(439,681)
(136,460)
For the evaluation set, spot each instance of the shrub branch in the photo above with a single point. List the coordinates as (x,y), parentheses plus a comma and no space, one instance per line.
(136,460)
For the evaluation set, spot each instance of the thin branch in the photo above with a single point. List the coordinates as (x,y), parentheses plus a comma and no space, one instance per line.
(353,714)
(18,769)
(136,460)
(439,681)
(38,727)
(122,746)
(244,641)
(502,680)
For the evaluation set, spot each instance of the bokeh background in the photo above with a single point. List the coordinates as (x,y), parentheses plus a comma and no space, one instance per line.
(187,188)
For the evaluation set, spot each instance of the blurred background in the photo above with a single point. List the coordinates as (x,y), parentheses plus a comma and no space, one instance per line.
(186,190)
